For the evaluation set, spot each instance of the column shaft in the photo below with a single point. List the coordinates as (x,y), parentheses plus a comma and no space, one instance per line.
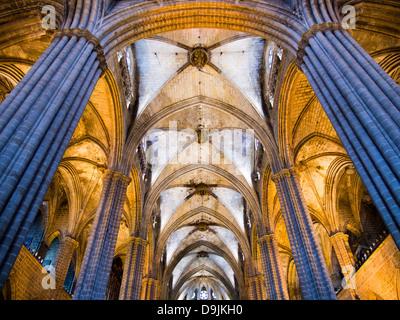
(340,243)
(96,265)
(38,120)
(133,271)
(363,104)
(62,262)
(254,288)
(150,289)
(310,265)
(276,285)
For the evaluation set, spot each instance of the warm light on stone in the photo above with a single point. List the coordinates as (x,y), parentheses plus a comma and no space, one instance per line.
(199,151)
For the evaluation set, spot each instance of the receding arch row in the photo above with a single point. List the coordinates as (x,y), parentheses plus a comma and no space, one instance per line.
(228,258)
(145,123)
(192,284)
(176,290)
(171,227)
(159,186)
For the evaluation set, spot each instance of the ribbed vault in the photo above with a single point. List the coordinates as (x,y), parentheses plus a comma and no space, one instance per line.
(200,112)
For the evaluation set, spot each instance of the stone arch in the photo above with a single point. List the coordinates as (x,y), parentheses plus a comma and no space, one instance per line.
(277,23)
(228,258)
(225,223)
(226,283)
(334,172)
(161,185)
(146,122)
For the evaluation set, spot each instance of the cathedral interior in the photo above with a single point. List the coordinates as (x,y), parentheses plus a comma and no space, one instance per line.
(199,150)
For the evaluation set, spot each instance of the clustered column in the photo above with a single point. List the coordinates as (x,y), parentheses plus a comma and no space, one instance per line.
(310,265)
(96,265)
(62,262)
(37,121)
(150,288)
(363,104)
(255,287)
(133,271)
(340,243)
(276,285)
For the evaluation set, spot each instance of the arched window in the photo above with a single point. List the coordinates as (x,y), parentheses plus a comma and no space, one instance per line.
(52,253)
(194,295)
(35,236)
(70,278)
(129,61)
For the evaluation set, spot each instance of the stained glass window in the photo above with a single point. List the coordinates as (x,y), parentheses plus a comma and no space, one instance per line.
(203,294)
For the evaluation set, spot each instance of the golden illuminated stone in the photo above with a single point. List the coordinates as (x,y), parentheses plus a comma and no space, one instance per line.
(199,57)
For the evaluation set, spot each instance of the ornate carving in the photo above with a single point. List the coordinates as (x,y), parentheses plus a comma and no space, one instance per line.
(287,172)
(115,175)
(311,33)
(202,254)
(90,38)
(202,226)
(199,57)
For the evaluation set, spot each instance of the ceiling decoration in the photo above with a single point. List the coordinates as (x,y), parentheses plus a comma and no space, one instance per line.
(203,217)
(199,57)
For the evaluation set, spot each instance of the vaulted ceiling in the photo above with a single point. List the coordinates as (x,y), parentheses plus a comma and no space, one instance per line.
(194,83)
(198,189)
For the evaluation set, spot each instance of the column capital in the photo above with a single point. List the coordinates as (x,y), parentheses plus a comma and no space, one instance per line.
(266,238)
(311,33)
(89,37)
(152,280)
(339,235)
(71,241)
(254,277)
(137,241)
(115,175)
(287,172)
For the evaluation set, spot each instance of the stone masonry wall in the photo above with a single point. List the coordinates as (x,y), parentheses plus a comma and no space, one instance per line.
(379,277)
(26,279)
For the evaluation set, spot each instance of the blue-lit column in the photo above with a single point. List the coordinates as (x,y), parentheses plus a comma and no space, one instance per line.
(99,253)
(363,104)
(37,121)
(275,283)
(311,268)
(131,285)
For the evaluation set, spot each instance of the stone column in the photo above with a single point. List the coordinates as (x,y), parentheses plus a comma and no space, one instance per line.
(310,265)
(133,271)
(276,284)
(340,243)
(96,265)
(143,292)
(254,288)
(363,104)
(150,288)
(63,260)
(154,287)
(263,289)
(37,121)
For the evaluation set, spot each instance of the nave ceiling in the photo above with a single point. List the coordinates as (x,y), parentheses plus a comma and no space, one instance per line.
(197,199)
